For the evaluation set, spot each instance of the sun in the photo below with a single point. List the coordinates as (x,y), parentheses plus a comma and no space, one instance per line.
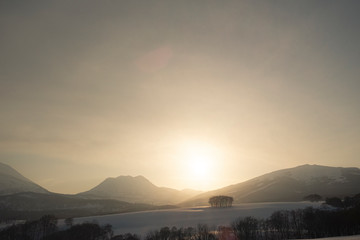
(200,164)
(201,160)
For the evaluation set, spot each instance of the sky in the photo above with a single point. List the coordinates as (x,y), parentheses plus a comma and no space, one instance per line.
(189,94)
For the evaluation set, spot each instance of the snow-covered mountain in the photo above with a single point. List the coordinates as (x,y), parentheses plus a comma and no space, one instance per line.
(13,182)
(291,184)
(137,190)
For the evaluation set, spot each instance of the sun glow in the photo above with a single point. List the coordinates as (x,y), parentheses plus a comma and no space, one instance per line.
(201,160)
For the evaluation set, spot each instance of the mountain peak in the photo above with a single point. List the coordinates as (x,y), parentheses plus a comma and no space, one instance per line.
(136,189)
(9,171)
(131,180)
(130,177)
(13,182)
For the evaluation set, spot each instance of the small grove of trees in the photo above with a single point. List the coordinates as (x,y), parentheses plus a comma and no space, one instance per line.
(347,202)
(335,202)
(313,198)
(221,201)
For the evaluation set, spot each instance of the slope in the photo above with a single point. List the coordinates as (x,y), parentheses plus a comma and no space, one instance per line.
(13,182)
(137,189)
(289,185)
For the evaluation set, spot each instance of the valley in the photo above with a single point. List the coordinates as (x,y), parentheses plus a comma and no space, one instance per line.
(141,223)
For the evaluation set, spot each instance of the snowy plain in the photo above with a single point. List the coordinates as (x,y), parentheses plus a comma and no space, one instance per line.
(142,222)
(355,237)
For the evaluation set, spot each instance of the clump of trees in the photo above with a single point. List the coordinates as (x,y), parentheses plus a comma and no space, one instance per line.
(221,201)
(313,198)
(347,202)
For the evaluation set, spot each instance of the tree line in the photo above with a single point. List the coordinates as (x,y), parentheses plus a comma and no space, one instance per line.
(283,224)
(46,228)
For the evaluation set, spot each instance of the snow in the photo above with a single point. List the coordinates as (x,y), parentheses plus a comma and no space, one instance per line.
(309,174)
(143,222)
(355,237)
(7,171)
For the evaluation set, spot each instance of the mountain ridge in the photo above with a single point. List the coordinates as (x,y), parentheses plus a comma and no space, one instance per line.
(13,182)
(137,189)
(290,184)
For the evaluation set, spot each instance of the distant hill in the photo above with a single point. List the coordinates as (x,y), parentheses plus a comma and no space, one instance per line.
(13,182)
(137,190)
(290,184)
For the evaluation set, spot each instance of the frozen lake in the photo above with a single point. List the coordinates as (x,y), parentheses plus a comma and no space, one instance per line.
(143,222)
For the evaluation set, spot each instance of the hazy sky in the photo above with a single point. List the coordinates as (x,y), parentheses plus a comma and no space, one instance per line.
(96,89)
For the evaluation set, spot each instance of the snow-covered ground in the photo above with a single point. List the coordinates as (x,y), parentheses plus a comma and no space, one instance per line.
(143,222)
(355,237)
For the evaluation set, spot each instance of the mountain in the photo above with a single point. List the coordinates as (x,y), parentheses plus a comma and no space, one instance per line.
(291,184)
(13,182)
(137,190)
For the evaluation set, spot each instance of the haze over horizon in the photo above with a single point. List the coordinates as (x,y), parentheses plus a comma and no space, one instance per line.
(187,94)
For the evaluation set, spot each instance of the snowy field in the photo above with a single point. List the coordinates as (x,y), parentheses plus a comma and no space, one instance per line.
(143,222)
(356,237)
